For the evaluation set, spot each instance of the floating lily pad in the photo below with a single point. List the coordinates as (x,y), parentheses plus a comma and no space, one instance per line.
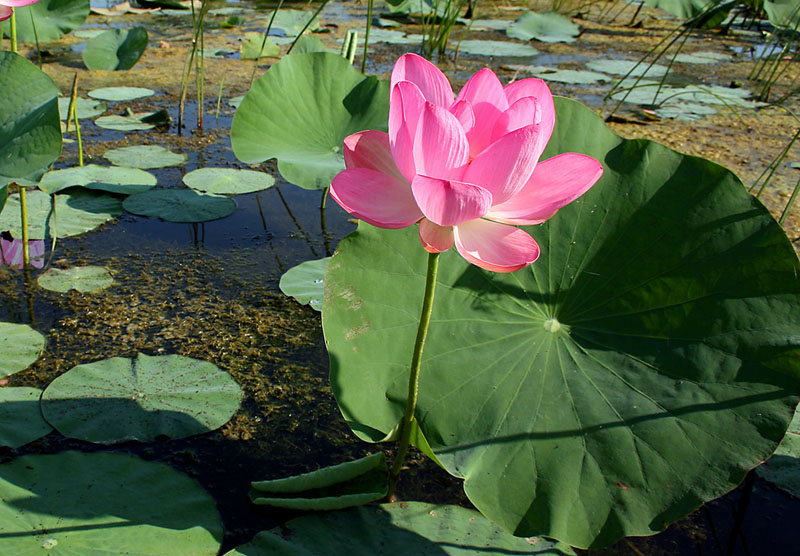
(489,25)
(180,205)
(685,111)
(236,101)
(117,49)
(30,133)
(121,399)
(251,47)
(20,345)
(88,33)
(630,68)
(119,9)
(561,75)
(702,58)
(84,107)
(114,179)
(145,156)
(783,467)
(305,282)
(644,92)
(286,108)
(420,529)
(638,369)
(84,279)
(111,503)
(352,483)
(388,36)
(21,418)
(218,52)
(546,27)
(292,22)
(228,181)
(134,121)
(75,213)
(54,18)
(120,93)
(500,49)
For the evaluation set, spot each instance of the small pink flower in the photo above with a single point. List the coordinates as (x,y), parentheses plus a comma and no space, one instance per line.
(11,252)
(7,5)
(463,167)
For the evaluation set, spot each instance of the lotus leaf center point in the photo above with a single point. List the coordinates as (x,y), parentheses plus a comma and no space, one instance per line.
(552,325)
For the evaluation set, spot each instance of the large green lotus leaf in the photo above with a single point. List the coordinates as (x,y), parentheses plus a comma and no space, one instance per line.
(400,528)
(103,503)
(121,399)
(120,93)
(683,9)
(145,156)
(305,282)
(84,107)
(21,419)
(53,18)
(228,181)
(20,345)
(352,483)
(783,13)
(30,132)
(3,196)
(783,468)
(75,213)
(638,369)
(117,49)
(79,278)
(301,110)
(180,205)
(546,27)
(114,179)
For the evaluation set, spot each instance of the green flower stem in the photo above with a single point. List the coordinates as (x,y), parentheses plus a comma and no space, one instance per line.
(14,32)
(23,208)
(413,379)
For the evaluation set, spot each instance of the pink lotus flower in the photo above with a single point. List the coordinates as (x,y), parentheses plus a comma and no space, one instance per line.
(7,5)
(463,167)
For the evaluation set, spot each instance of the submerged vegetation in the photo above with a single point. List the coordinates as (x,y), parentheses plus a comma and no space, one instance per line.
(545,333)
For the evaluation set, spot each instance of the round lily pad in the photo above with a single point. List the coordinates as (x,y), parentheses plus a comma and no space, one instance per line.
(77,212)
(116,49)
(562,75)
(80,278)
(134,121)
(121,399)
(145,156)
(629,68)
(420,529)
(292,22)
(88,33)
(84,107)
(180,205)
(499,49)
(103,503)
(228,181)
(20,345)
(546,27)
(685,111)
(21,418)
(120,93)
(114,179)
(305,282)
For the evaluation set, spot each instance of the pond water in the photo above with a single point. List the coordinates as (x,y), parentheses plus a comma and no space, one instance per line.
(210,291)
